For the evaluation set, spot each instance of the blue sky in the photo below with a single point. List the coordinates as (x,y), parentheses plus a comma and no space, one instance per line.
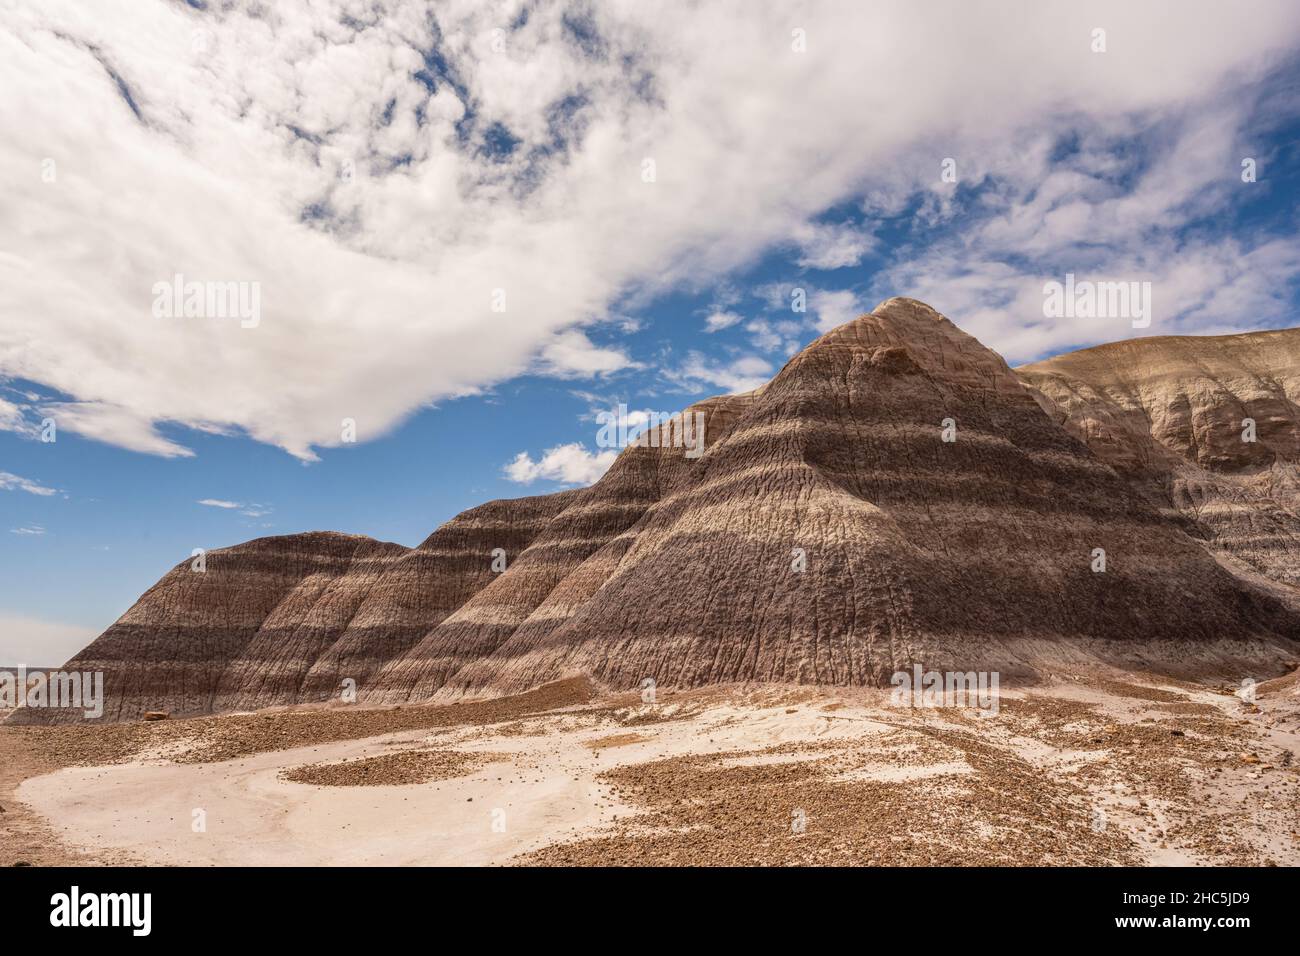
(389,176)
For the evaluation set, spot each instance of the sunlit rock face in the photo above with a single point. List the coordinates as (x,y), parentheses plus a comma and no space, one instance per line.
(1209,425)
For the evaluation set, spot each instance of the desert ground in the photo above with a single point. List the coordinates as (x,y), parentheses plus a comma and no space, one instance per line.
(1099,769)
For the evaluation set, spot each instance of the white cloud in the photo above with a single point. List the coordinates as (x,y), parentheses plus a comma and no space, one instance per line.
(1108,215)
(700,373)
(833,307)
(12,482)
(781,335)
(570,464)
(571,354)
(722,319)
(34,529)
(231,163)
(34,642)
(250,510)
(12,418)
(116,425)
(823,246)
(777,295)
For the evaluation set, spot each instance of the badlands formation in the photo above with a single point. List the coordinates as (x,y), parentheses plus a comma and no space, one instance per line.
(829,535)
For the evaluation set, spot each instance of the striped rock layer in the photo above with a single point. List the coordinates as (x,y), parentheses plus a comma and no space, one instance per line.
(1207,426)
(828,534)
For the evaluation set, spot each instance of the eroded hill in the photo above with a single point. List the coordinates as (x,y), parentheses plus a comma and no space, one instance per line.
(895,495)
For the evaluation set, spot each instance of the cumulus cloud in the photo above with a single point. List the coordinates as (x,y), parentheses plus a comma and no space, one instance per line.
(571,354)
(12,482)
(218,503)
(570,464)
(831,246)
(832,307)
(700,373)
(34,529)
(437,199)
(781,335)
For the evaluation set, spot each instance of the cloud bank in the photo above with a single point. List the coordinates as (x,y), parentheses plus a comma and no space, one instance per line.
(442,198)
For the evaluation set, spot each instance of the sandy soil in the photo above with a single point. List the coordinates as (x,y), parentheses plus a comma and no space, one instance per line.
(1085,771)
(26,838)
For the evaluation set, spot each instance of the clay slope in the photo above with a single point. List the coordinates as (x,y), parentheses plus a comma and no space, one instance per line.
(1171,415)
(828,534)
(566,564)
(284,620)
(973,554)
